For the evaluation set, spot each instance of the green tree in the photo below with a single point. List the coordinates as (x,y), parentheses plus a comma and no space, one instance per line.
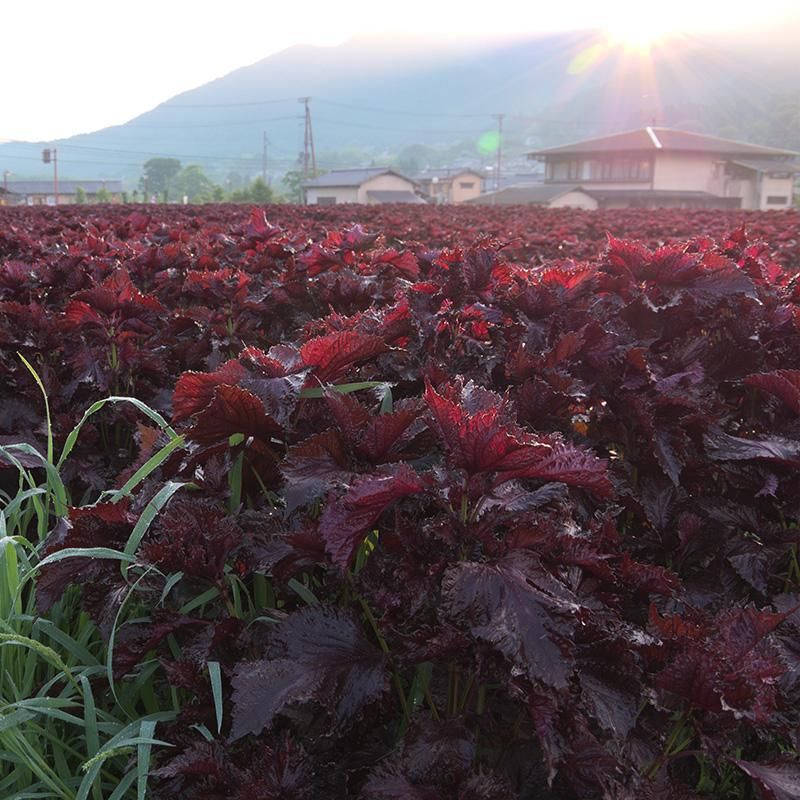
(158,174)
(102,195)
(260,192)
(293,184)
(80,195)
(192,182)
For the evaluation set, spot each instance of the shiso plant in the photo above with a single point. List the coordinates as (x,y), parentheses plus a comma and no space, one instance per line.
(395,521)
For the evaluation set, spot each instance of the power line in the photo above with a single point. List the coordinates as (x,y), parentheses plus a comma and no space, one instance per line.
(226,105)
(400,111)
(349,124)
(201,156)
(381,110)
(219,124)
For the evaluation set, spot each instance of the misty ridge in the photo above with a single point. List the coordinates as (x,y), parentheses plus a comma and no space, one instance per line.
(426,101)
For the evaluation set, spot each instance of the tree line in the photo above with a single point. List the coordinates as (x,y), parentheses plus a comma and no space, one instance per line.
(167,180)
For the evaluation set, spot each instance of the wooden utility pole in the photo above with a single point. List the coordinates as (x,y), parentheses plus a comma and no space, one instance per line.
(48,156)
(499,151)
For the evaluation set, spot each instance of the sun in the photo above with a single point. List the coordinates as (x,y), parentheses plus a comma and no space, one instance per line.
(635,31)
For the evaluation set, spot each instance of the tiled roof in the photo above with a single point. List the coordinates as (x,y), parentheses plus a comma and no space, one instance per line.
(518,179)
(350,177)
(654,138)
(768,165)
(445,173)
(64,187)
(389,196)
(524,194)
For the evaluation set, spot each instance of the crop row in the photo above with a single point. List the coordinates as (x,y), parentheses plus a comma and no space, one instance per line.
(452,503)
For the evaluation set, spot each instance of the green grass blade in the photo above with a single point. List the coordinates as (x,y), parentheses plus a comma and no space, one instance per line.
(146,731)
(216,689)
(387,401)
(150,512)
(345,388)
(46,406)
(55,485)
(120,792)
(69,444)
(303,591)
(147,468)
(92,734)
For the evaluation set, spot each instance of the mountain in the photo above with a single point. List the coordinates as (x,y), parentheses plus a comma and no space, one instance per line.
(371,97)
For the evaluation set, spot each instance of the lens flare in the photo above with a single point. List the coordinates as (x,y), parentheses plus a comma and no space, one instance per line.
(586,59)
(635,31)
(488,143)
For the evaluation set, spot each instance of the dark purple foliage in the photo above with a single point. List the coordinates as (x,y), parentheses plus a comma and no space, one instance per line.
(317,654)
(554,555)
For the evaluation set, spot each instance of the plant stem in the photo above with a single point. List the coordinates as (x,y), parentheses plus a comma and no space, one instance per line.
(397,683)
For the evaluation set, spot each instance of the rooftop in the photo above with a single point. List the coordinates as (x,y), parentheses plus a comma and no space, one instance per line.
(768,165)
(388,196)
(350,177)
(64,187)
(652,138)
(445,172)
(524,194)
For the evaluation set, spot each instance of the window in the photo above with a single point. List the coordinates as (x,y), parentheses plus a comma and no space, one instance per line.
(560,171)
(618,169)
(326,201)
(573,170)
(467,184)
(777,200)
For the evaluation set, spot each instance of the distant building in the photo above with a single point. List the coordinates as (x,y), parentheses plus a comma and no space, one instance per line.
(370,186)
(455,185)
(662,167)
(514,179)
(40,193)
(540,194)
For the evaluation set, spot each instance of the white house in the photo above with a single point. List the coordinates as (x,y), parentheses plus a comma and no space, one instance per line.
(450,185)
(369,186)
(40,192)
(662,167)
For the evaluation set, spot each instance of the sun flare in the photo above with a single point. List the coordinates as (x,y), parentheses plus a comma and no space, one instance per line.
(635,30)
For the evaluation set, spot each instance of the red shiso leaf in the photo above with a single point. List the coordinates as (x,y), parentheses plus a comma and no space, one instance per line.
(350,416)
(345,522)
(777,780)
(79,313)
(519,608)
(386,435)
(479,436)
(318,654)
(314,466)
(723,447)
(331,355)
(783,383)
(193,537)
(195,390)
(233,410)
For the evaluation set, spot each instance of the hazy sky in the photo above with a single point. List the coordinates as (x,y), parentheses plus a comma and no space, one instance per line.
(73,67)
